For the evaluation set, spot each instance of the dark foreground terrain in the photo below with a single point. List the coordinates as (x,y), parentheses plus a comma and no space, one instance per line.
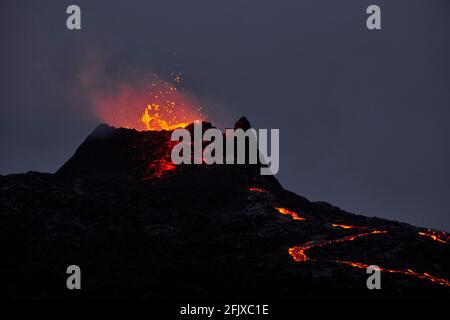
(141,228)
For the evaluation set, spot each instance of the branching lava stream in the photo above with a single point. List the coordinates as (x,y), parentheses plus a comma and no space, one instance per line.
(299,253)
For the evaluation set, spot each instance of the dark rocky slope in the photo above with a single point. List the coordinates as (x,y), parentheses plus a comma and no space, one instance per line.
(139,228)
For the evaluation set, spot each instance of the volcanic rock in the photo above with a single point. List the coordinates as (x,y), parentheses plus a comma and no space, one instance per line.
(141,228)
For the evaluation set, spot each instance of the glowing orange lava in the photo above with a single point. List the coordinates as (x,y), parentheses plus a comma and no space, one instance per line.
(158,105)
(408,272)
(293,214)
(441,237)
(163,165)
(344,226)
(154,120)
(298,253)
(160,168)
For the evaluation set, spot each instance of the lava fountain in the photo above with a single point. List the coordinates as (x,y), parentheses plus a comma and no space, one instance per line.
(158,105)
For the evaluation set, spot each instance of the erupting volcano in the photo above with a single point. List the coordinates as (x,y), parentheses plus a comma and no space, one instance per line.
(157,105)
(143,227)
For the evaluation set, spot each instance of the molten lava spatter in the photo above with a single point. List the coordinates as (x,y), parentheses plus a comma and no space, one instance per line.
(154,120)
(167,111)
(288,212)
(437,236)
(157,105)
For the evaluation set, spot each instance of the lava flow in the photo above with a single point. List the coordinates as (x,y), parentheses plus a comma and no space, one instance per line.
(291,213)
(163,165)
(298,253)
(441,237)
(408,272)
(344,226)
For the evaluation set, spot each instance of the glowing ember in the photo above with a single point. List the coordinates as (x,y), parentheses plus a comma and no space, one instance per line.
(157,106)
(256,189)
(288,212)
(441,237)
(154,120)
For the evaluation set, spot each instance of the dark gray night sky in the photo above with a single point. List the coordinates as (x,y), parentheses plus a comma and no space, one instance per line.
(363,115)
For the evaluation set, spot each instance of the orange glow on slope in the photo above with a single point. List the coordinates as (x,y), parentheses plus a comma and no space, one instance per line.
(288,212)
(158,105)
(441,237)
(343,226)
(163,165)
(256,189)
(161,168)
(408,272)
(298,253)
